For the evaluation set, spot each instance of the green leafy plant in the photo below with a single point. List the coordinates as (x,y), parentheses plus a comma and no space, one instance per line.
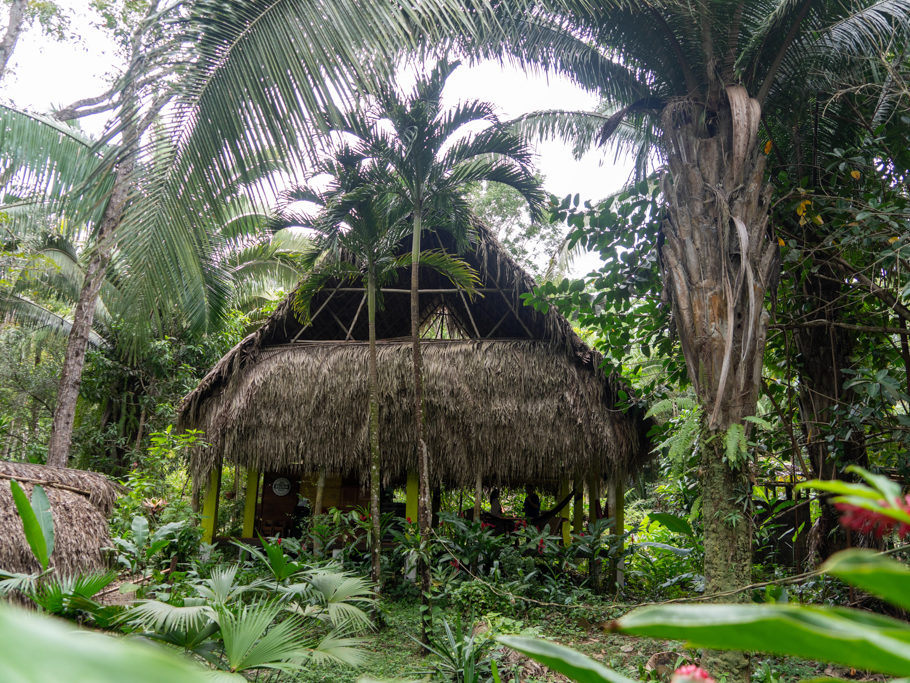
(137,552)
(37,521)
(461,658)
(849,637)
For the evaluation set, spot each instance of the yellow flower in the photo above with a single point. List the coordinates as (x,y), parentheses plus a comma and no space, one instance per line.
(803,205)
(768,146)
(780,241)
(892,240)
(855,174)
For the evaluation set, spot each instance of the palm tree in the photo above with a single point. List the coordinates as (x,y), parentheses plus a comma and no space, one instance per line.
(699,78)
(359,231)
(433,162)
(248,79)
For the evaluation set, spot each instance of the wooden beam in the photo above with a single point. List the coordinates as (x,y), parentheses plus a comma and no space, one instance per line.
(210,504)
(478,495)
(515,313)
(249,502)
(356,316)
(468,311)
(314,316)
(496,326)
(444,290)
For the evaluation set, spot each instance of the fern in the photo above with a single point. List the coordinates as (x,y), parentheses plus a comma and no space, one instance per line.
(736,449)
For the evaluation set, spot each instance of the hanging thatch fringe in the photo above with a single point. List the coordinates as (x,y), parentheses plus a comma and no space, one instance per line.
(526,403)
(80,502)
(513,410)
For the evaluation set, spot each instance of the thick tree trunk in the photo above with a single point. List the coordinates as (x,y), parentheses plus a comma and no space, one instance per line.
(14,25)
(824,352)
(74,359)
(374,436)
(718,262)
(424,509)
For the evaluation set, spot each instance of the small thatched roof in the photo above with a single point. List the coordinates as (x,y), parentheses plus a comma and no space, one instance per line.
(512,392)
(80,502)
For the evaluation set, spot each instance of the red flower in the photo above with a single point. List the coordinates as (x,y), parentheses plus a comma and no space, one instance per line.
(691,673)
(409,521)
(454,563)
(363,518)
(278,541)
(874,522)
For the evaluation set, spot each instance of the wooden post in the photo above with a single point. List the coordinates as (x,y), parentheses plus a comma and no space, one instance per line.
(320,493)
(594,508)
(210,505)
(563,514)
(578,504)
(617,506)
(410,508)
(478,496)
(249,503)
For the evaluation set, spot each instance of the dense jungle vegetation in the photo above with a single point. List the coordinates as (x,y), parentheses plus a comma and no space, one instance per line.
(751,288)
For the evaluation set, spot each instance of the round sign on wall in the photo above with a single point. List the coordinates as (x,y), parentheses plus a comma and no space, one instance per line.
(281,486)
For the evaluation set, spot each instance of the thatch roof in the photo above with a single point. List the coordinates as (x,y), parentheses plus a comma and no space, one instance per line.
(517,395)
(80,502)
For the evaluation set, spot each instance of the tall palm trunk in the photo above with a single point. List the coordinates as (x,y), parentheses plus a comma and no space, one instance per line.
(718,262)
(424,508)
(374,432)
(84,314)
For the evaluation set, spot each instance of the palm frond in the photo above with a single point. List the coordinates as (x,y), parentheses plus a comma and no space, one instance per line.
(157,616)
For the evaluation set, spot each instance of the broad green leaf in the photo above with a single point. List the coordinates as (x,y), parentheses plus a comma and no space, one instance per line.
(848,637)
(79,655)
(874,573)
(566,661)
(843,488)
(42,507)
(889,490)
(30,524)
(674,523)
(140,527)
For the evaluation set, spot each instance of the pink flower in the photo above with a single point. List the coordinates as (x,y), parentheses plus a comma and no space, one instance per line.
(690,673)
(871,521)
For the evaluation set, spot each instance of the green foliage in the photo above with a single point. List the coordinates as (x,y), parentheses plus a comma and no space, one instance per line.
(461,658)
(82,656)
(37,521)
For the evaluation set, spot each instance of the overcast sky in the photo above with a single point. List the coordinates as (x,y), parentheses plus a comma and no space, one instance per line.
(46,73)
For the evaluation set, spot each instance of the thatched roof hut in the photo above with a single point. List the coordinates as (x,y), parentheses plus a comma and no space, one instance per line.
(512,393)
(80,503)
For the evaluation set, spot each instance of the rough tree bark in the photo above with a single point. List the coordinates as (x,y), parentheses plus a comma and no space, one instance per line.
(14,25)
(824,352)
(132,128)
(718,262)
(83,316)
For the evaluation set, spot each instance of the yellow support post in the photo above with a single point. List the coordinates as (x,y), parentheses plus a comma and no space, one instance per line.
(210,505)
(249,503)
(565,527)
(410,508)
(578,505)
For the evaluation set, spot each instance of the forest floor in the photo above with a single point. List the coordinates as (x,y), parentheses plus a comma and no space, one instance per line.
(396,654)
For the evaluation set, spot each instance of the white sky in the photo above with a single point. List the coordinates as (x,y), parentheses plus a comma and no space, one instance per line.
(46,73)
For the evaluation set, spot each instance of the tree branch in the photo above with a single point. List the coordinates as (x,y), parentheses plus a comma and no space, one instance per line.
(13,28)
